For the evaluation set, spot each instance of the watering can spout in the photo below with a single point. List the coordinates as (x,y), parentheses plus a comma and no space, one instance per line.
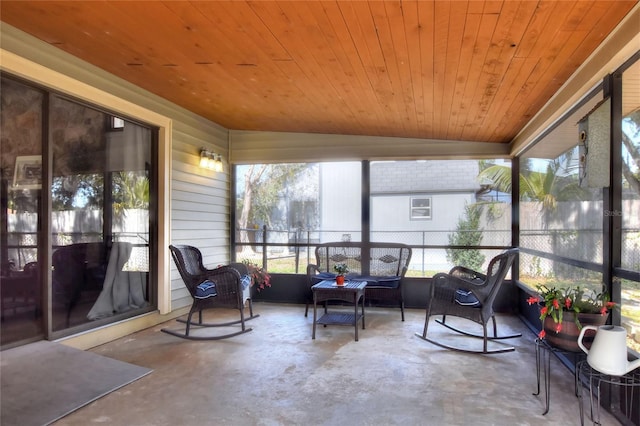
(608,353)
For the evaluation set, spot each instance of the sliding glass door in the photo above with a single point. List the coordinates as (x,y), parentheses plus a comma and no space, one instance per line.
(21,295)
(77,233)
(99,215)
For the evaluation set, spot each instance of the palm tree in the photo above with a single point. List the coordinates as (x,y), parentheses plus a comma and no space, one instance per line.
(558,182)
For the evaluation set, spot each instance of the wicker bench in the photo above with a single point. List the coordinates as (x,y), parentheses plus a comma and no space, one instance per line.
(383,266)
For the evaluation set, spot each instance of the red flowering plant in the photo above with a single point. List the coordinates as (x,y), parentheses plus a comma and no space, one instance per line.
(259,276)
(556,301)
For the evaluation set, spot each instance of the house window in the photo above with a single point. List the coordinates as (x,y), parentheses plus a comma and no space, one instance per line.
(421,208)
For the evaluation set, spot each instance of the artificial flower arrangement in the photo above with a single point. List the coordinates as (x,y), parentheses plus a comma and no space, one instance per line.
(341,268)
(556,301)
(259,276)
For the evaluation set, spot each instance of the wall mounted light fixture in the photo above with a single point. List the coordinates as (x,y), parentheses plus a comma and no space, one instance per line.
(210,160)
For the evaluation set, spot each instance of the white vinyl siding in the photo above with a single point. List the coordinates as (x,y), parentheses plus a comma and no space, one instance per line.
(278,147)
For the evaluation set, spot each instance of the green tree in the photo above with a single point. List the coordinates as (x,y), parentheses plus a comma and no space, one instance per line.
(468,233)
(262,186)
(77,191)
(130,191)
(558,182)
(252,177)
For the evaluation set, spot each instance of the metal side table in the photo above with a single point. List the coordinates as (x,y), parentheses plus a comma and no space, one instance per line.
(543,362)
(624,389)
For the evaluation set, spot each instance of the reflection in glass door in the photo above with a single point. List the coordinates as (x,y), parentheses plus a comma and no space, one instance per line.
(89,214)
(21,282)
(99,216)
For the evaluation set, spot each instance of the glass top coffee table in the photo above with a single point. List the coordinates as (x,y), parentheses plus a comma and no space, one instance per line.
(351,291)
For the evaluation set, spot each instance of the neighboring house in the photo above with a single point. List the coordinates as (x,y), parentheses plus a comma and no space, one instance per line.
(405,196)
(421,196)
(419,203)
(412,202)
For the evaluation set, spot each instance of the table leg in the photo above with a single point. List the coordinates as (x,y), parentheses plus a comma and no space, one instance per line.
(595,414)
(546,359)
(580,389)
(537,392)
(315,313)
(355,317)
(363,311)
(543,356)
(579,392)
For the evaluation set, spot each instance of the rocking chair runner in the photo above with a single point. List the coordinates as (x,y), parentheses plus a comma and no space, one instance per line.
(226,293)
(469,294)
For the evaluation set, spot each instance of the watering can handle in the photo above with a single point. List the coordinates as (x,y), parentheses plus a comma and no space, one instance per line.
(584,329)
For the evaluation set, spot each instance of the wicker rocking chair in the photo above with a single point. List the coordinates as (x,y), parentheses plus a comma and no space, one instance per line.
(210,288)
(468,294)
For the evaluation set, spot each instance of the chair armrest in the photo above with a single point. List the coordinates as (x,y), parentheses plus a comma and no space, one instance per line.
(467,274)
(240,267)
(227,280)
(312,269)
(403,271)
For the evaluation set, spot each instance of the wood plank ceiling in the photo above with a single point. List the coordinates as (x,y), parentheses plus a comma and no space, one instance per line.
(461,70)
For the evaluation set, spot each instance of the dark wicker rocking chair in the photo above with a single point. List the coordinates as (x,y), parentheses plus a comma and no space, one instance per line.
(468,294)
(227,292)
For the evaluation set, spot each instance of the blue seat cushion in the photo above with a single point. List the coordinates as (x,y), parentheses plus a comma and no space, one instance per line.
(373,281)
(467,298)
(205,290)
(246,281)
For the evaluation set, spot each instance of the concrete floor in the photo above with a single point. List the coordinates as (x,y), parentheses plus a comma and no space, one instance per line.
(278,375)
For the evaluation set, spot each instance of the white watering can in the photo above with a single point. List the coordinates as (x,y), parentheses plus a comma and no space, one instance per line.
(608,353)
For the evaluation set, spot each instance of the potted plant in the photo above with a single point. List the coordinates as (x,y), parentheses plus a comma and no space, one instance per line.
(260,278)
(341,269)
(563,312)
